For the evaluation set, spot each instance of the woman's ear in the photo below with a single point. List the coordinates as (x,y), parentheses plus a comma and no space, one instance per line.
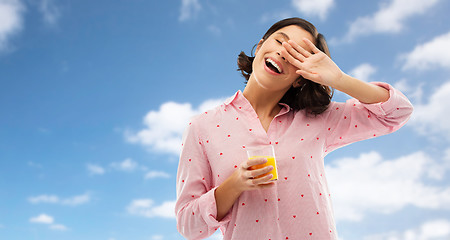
(298,83)
(259,46)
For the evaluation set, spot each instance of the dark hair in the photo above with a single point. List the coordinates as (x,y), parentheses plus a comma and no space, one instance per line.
(311,96)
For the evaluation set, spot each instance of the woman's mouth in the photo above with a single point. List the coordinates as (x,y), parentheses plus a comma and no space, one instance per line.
(272,67)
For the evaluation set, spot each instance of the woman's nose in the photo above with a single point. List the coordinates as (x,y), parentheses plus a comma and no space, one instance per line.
(281,57)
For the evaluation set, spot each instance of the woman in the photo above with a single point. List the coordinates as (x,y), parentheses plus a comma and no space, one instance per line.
(286,103)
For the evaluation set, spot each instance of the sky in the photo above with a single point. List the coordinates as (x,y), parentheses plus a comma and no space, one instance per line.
(95,96)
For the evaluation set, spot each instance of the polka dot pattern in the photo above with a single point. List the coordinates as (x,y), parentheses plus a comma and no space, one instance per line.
(215,145)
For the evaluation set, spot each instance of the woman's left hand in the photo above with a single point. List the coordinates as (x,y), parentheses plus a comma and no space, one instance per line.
(316,66)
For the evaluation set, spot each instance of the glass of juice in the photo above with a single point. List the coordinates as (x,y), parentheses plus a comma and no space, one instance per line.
(265,151)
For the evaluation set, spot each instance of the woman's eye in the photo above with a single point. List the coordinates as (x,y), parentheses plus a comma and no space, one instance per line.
(278,41)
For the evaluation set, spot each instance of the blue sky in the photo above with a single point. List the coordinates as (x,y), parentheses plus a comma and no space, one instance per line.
(94,97)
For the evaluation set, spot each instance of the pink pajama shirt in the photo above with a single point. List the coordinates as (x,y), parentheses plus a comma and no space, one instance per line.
(298,205)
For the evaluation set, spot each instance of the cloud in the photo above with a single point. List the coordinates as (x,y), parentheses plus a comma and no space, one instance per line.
(319,8)
(72,201)
(76,200)
(33,164)
(369,184)
(214,30)
(95,169)
(430,55)
(414,92)
(157,237)
(46,219)
(43,218)
(49,11)
(156,174)
(431,230)
(146,208)
(44,199)
(164,128)
(216,236)
(431,119)
(44,130)
(189,8)
(390,18)
(58,227)
(127,165)
(11,21)
(363,72)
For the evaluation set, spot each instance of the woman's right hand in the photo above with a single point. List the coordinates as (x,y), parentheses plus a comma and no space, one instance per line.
(246,179)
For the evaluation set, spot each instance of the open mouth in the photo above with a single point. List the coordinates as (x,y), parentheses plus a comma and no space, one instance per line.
(272,65)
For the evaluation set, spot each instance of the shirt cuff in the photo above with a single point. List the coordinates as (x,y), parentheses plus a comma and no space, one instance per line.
(383,108)
(208,200)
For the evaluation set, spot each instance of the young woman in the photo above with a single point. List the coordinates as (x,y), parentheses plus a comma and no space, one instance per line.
(286,103)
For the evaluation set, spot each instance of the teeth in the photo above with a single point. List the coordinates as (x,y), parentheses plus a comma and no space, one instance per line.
(274,64)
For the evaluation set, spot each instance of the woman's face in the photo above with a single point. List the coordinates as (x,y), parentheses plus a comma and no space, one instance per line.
(271,71)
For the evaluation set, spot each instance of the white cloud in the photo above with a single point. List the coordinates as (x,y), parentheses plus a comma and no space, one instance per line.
(43,218)
(44,130)
(369,184)
(72,201)
(447,155)
(95,169)
(216,236)
(413,91)
(164,128)
(390,18)
(146,208)
(126,165)
(49,11)
(363,72)
(44,199)
(319,8)
(157,237)
(33,164)
(432,54)
(156,174)
(214,30)
(58,227)
(431,230)
(189,8)
(46,219)
(11,21)
(431,119)
(76,200)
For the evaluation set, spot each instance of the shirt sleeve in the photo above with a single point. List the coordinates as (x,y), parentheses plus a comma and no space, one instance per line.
(354,121)
(195,208)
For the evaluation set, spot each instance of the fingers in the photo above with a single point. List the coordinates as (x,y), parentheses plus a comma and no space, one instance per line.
(311,45)
(259,172)
(252,175)
(299,49)
(263,180)
(308,75)
(293,51)
(253,162)
(292,60)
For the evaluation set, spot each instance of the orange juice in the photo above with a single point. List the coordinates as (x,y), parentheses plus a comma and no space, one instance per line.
(270,161)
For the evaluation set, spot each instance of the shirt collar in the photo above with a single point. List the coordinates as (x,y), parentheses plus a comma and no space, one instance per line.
(238,98)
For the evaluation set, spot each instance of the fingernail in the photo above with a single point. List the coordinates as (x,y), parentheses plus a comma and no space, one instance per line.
(270,167)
